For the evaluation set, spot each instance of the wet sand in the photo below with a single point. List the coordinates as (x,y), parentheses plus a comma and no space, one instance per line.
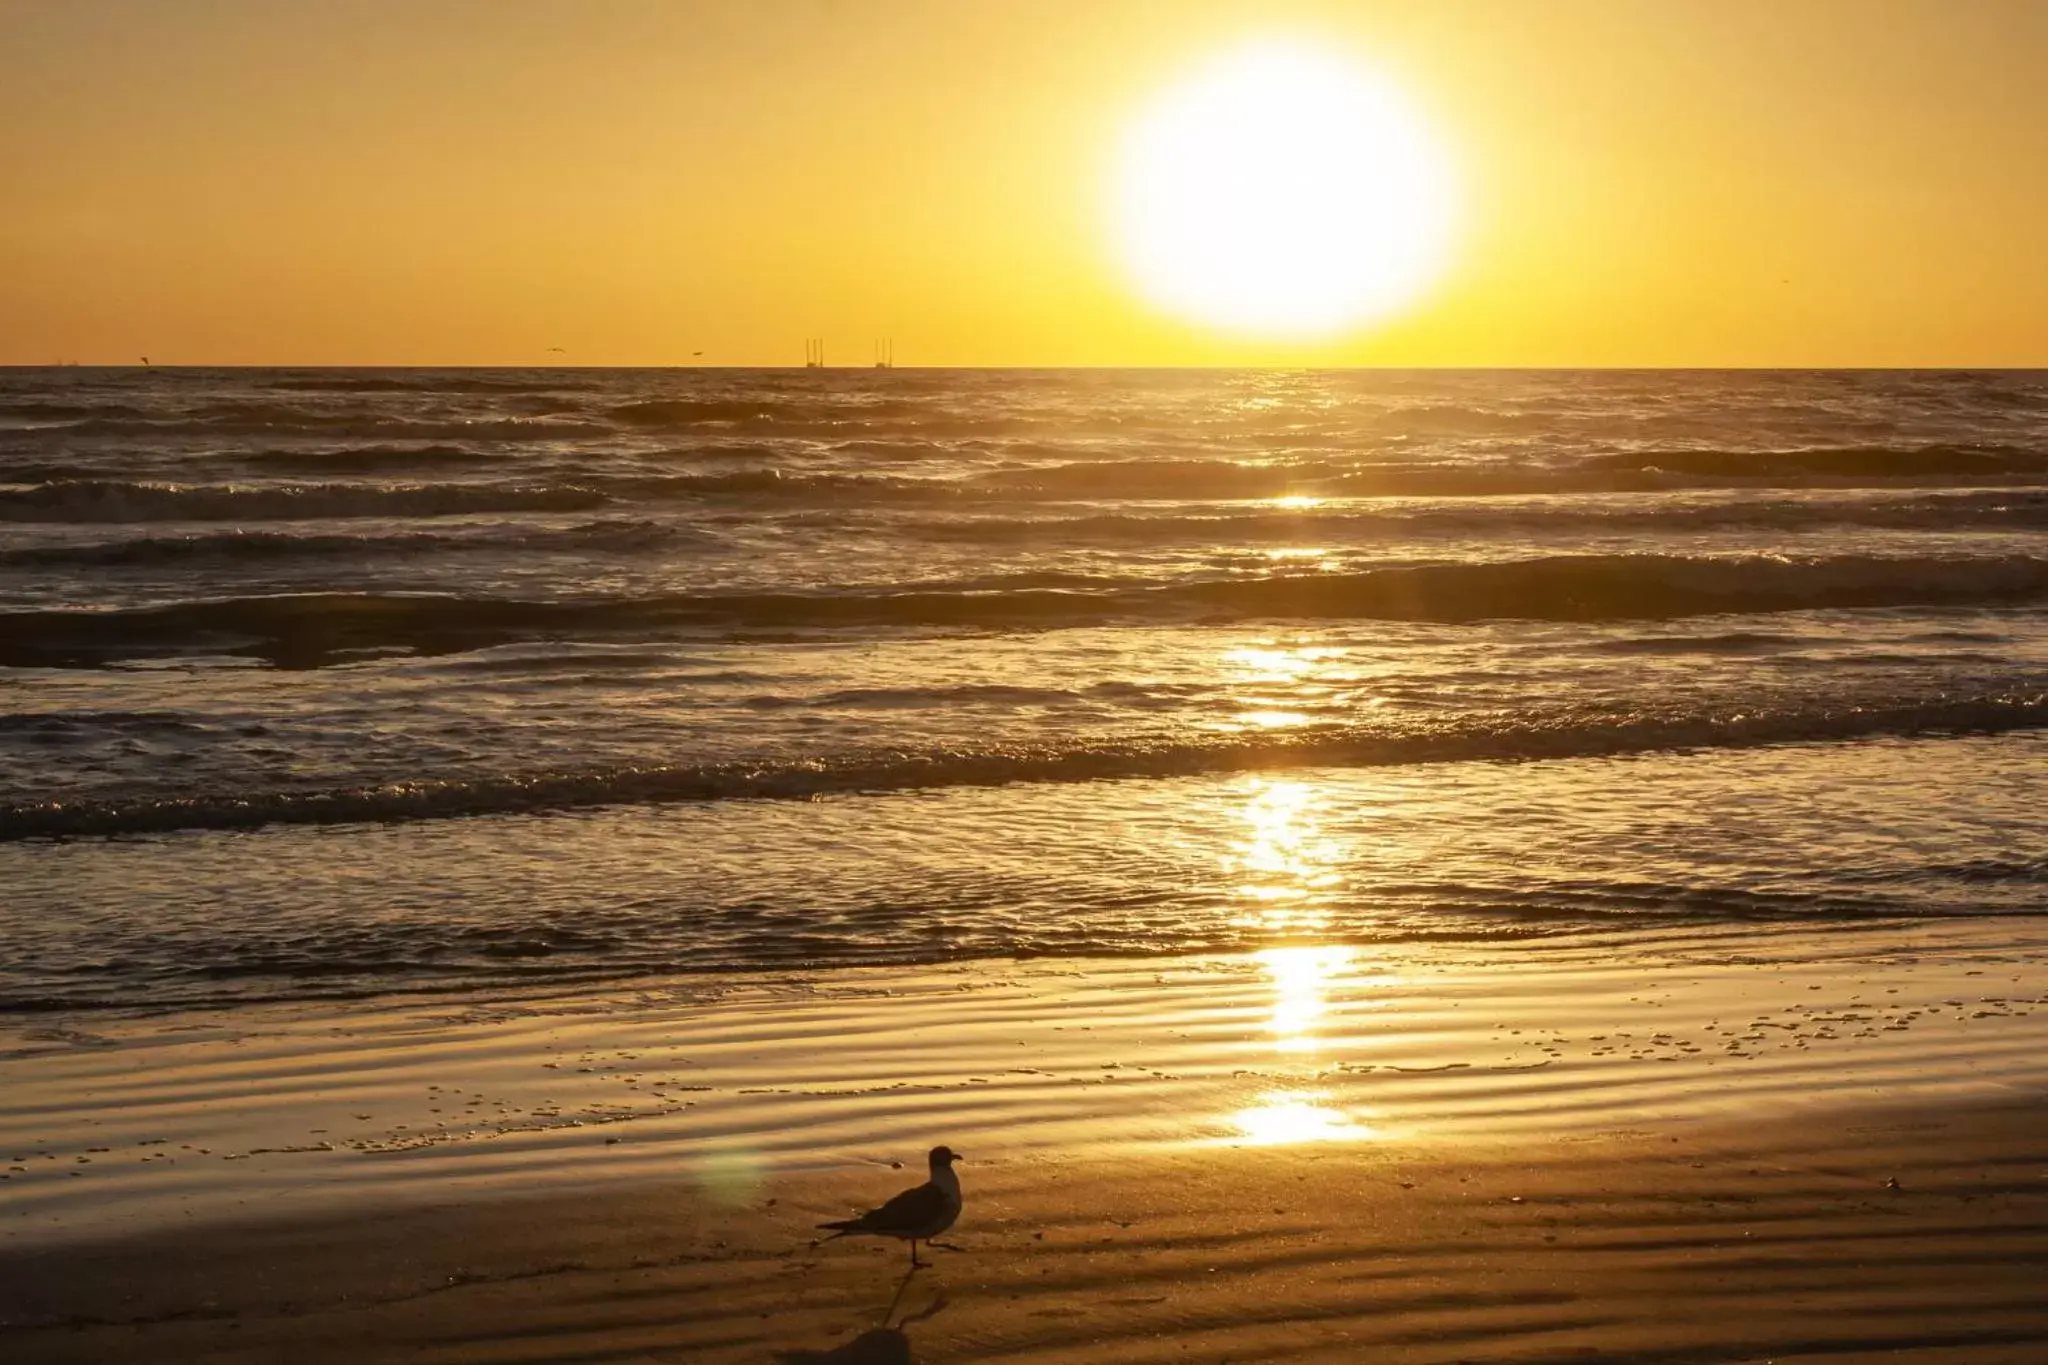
(1592,1150)
(1780,1241)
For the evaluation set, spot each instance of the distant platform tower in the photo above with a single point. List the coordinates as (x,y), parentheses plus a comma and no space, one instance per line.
(814,353)
(885,353)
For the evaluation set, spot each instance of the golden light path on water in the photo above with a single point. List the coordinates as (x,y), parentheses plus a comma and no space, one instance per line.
(1288,868)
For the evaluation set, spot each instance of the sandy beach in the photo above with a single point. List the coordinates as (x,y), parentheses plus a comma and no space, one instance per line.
(1686,1153)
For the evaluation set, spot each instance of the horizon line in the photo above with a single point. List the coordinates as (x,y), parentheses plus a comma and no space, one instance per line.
(1724,368)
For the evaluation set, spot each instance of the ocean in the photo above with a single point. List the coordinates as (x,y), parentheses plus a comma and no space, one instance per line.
(347,683)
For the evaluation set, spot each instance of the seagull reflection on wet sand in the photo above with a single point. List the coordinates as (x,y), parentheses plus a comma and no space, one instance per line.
(884,1345)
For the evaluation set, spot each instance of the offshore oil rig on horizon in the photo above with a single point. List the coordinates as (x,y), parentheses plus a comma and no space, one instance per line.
(885,353)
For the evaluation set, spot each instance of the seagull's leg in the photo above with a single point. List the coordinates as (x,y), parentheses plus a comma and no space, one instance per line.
(914,1262)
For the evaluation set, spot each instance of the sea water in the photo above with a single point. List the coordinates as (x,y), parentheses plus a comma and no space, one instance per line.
(345,682)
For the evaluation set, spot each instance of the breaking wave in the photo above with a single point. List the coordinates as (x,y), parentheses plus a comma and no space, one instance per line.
(1472,739)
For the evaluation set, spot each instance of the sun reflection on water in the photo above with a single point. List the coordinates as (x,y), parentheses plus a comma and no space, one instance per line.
(1285,863)
(1282,685)
(1273,720)
(1276,663)
(1288,868)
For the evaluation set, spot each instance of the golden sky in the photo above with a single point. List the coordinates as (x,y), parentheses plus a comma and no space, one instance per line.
(1644,182)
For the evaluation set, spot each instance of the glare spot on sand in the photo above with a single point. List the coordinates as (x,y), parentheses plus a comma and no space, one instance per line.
(1289,1116)
(1300,980)
(1293,500)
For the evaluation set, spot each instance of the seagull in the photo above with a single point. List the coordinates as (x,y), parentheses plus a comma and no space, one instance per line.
(916,1215)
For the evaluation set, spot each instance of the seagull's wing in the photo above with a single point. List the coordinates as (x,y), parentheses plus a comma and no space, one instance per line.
(915,1208)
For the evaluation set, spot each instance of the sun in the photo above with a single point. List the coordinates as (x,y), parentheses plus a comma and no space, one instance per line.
(1283,191)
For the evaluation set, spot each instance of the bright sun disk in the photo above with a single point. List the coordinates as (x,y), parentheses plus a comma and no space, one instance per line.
(1283,191)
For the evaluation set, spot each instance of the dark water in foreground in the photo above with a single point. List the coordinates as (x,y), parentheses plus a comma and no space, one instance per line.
(346,681)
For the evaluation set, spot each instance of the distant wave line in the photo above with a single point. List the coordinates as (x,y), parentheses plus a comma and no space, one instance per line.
(308,629)
(1203,526)
(39,490)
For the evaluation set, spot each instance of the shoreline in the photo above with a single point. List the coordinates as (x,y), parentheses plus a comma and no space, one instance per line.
(118,1127)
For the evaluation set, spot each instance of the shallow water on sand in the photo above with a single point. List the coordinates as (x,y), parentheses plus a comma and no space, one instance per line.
(1382,851)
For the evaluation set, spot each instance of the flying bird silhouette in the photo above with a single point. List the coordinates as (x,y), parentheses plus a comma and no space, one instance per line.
(916,1215)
